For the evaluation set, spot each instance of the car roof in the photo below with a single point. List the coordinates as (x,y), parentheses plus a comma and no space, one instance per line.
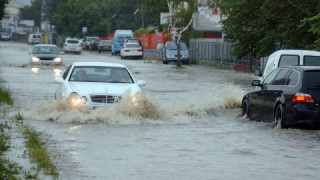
(46,45)
(297,51)
(98,64)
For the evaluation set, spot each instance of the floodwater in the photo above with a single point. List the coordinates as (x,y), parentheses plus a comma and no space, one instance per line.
(187,125)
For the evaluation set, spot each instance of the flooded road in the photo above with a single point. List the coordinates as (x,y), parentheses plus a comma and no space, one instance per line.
(187,126)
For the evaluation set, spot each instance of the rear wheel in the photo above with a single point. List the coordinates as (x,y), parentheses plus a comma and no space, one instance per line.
(279,117)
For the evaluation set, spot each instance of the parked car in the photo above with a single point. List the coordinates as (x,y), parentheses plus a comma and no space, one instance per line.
(135,40)
(131,50)
(72,45)
(94,84)
(4,36)
(283,58)
(287,96)
(35,38)
(45,54)
(87,40)
(170,53)
(104,45)
(93,44)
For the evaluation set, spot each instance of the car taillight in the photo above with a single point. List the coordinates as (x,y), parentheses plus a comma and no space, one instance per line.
(65,44)
(302,98)
(126,50)
(139,50)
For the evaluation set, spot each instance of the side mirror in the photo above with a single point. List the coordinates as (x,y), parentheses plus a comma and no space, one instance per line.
(59,80)
(257,72)
(256,83)
(141,83)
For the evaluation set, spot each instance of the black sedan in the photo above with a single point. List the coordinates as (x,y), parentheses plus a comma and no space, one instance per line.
(287,96)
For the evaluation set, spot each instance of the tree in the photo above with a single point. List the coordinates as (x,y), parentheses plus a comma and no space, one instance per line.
(180,19)
(313,24)
(32,12)
(259,27)
(240,26)
(2,6)
(71,16)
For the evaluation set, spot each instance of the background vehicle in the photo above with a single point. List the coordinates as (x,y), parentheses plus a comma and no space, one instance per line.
(119,37)
(170,53)
(72,45)
(93,44)
(288,95)
(283,58)
(4,36)
(45,54)
(97,85)
(131,50)
(104,45)
(35,39)
(87,40)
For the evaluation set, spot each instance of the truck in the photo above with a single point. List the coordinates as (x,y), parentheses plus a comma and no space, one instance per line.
(118,39)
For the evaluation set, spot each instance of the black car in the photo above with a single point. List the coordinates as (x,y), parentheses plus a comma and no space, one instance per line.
(93,44)
(287,96)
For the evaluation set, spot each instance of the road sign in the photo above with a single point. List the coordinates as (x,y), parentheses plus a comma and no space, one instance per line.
(84,30)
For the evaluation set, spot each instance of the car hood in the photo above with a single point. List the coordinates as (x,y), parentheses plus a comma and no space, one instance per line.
(87,88)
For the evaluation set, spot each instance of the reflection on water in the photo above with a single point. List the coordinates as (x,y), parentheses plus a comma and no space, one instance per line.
(56,71)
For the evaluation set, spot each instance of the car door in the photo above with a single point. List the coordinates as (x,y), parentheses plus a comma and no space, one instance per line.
(272,92)
(257,98)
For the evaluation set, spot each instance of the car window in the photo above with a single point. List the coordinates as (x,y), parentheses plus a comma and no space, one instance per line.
(99,74)
(288,60)
(73,41)
(65,74)
(280,79)
(311,60)
(268,80)
(171,46)
(293,79)
(45,50)
(311,79)
(132,45)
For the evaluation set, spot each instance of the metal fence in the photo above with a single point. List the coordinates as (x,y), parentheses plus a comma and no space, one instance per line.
(215,51)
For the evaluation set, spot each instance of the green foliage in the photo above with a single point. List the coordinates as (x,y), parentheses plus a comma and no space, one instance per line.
(71,16)
(2,6)
(143,31)
(5,96)
(38,151)
(32,12)
(259,27)
(313,24)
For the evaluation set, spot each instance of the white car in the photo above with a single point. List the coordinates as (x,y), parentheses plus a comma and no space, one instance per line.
(72,45)
(131,49)
(95,84)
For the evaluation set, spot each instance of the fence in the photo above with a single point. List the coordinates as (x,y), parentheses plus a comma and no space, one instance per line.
(215,51)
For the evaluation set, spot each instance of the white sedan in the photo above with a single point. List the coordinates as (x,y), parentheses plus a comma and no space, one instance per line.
(131,50)
(96,83)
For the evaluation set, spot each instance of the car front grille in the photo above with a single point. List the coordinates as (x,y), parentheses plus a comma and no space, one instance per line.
(46,58)
(105,99)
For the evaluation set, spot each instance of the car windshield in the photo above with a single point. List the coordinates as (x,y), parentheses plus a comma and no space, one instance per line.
(173,46)
(101,74)
(93,39)
(312,60)
(105,42)
(133,45)
(311,79)
(73,41)
(45,50)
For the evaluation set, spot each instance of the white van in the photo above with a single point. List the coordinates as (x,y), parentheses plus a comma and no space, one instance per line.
(35,39)
(282,58)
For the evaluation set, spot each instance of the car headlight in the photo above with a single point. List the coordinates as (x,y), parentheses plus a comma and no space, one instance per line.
(57,59)
(77,101)
(35,59)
